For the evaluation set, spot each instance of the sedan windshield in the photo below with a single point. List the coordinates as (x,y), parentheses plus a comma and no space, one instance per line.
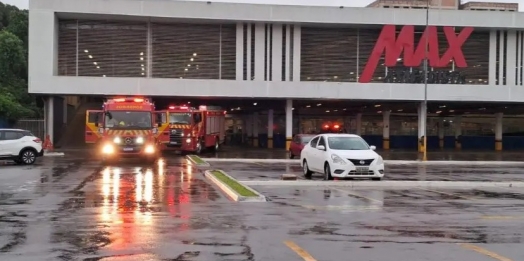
(179,118)
(347,143)
(128,119)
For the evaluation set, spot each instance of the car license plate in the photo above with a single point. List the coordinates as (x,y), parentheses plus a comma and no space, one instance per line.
(128,149)
(173,142)
(362,169)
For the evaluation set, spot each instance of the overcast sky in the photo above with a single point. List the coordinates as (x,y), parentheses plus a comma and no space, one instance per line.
(24,3)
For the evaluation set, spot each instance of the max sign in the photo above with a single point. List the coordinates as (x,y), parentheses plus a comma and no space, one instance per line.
(392,46)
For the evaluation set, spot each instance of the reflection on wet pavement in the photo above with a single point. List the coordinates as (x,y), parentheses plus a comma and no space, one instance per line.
(412,172)
(76,209)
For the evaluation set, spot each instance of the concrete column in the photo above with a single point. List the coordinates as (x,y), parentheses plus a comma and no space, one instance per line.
(359,124)
(458,132)
(65,110)
(50,118)
(385,136)
(492,67)
(289,122)
(239,63)
(255,129)
(498,131)
(270,129)
(260,47)
(441,133)
(249,129)
(422,122)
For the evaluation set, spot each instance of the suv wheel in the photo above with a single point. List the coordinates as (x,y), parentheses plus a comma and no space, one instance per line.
(28,157)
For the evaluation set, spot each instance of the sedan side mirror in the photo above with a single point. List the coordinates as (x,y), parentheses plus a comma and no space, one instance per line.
(321,147)
(372,147)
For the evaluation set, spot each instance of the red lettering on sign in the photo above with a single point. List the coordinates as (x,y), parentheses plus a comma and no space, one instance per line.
(392,46)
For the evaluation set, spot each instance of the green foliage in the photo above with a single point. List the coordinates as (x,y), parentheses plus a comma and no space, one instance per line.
(15,101)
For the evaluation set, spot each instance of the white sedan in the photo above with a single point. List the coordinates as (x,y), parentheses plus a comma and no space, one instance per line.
(341,156)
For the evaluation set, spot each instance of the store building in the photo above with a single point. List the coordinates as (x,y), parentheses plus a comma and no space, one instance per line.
(293,54)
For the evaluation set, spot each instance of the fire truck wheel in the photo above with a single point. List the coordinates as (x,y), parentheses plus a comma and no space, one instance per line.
(198,148)
(217,145)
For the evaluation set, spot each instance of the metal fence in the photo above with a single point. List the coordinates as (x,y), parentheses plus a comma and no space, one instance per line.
(36,126)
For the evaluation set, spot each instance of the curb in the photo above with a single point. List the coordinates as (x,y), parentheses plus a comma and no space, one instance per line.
(53,154)
(389,184)
(232,193)
(390,162)
(205,164)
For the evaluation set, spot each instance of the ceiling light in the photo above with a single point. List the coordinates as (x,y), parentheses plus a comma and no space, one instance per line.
(344,109)
(327,111)
(192,59)
(141,58)
(189,65)
(255,103)
(181,77)
(335,110)
(307,106)
(143,69)
(143,73)
(142,65)
(351,73)
(94,63)
(104,75)
(292,109)
(142,53)
(378,105)
(319,104)
(451,110)
(86,51)
(90,57)
(439,112)
(98,67)
(185,69)
(194,54)
(379,111)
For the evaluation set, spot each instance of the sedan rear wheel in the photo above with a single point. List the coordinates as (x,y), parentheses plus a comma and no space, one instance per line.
(307,172)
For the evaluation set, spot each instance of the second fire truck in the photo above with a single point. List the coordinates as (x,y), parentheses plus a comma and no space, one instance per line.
(124,127)
(188,129)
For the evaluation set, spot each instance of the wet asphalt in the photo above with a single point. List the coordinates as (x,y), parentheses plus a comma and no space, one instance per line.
(73,208)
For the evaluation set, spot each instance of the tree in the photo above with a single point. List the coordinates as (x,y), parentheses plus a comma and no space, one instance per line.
(19,26)
(12,57)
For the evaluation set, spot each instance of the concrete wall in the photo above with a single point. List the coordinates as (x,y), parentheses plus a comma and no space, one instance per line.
(43,51)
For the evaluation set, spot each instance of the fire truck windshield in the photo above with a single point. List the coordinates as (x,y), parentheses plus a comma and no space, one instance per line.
(128,120)
(179,118)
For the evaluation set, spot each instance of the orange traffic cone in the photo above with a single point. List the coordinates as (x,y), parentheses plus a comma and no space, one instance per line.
(48,145)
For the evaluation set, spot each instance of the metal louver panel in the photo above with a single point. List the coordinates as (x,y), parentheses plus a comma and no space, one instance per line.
(194,51)
(67,35)
(329,54)
(117,49)
(332,54)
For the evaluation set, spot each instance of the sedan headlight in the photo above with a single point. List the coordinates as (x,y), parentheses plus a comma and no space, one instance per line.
(337,160)
(117,140)
(379,161)
(139,140)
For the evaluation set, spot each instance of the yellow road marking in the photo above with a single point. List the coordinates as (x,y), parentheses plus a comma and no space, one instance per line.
(301,252)
(484,252)
(357,195)
(445,193)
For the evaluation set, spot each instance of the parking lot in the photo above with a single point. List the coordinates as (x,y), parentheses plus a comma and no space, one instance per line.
(73,208)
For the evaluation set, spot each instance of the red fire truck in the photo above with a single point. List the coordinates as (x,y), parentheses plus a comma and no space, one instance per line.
(187,129)
(125,127)
(332,127)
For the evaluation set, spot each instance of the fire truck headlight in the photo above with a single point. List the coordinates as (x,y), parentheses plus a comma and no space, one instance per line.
(117,140)
(188,140)
(155,130)
(140,140)
(108,149)
(149,149)
(101,130)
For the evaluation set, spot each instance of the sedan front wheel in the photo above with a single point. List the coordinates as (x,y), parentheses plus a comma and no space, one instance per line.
(327,172)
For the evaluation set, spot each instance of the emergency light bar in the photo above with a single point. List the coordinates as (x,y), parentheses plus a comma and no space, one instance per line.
(130,100)
(183,107)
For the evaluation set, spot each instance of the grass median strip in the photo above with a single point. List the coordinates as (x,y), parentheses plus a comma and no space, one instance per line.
(237,187)
(197,159)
